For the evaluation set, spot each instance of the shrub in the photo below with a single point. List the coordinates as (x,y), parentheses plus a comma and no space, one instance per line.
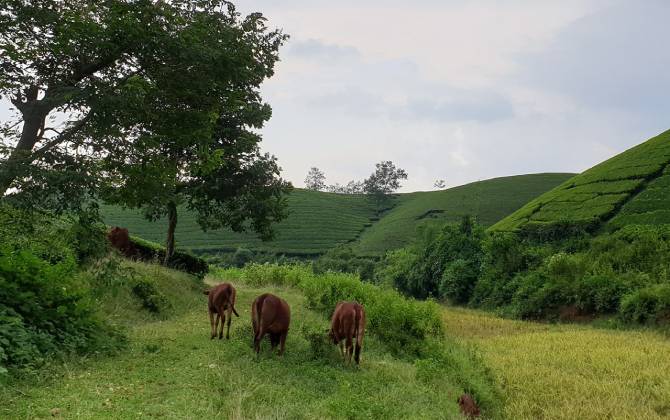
(422,276)
(151,299)
(647,305)
(153,252)
(458,281)
(344,260)
(45,311)
(241,257)
(402,324)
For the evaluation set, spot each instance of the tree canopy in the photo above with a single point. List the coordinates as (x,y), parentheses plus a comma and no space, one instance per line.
(385,180)
(150,103)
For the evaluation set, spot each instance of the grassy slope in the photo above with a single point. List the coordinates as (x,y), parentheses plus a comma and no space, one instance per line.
(488,200)
(570,371)
(599,193)
(173,370)
(320,221)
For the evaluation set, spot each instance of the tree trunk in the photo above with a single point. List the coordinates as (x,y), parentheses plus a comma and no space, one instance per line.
(11,168)
(172,225)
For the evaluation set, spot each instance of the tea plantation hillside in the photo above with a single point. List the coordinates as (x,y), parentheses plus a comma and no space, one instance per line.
(632,187)
(320,221)
(317,222)
(489,201)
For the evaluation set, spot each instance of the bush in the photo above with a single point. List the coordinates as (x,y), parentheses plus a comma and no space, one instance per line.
(45,311)
(344,260)
(153,252)
(419,272)
(647,305)
(404,325)
(149,296)
(241,257)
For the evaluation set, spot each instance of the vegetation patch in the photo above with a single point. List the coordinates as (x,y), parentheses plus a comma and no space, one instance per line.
(409,329)
(603,192)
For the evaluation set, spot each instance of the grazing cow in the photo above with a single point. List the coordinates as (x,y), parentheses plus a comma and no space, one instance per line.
(468,406)
(270,315)
(221,300)
(119,238)
(347,323)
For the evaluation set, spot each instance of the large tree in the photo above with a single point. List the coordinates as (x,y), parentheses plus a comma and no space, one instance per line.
(76,70)
(201,149)
(157,101)
(383,182)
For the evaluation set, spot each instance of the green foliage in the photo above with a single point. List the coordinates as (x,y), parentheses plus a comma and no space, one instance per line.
(593,276)
(344,260)
(404,325)
(648,305)
(445,265)
(152,299)
(45,311)
(241,257)
(150,251)
(383,182)
(606,191)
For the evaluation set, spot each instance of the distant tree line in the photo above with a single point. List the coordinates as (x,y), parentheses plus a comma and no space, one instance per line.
(379,186)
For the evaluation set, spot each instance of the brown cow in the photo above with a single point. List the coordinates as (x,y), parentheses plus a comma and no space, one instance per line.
(221,300)
(270,315)
(347,323)
(119,238)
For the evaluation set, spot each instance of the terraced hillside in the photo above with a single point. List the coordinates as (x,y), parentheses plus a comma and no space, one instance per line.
(320,221)
(489,201)
(632,187)
(317,222)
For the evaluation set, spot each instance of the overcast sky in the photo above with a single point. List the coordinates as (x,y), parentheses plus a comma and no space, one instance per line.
(463,90)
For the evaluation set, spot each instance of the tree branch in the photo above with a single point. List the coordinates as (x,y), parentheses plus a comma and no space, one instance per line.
(63,136)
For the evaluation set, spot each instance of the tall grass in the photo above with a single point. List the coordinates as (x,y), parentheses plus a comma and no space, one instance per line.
(408,328)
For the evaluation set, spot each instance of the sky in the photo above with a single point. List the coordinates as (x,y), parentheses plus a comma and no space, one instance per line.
(462,90)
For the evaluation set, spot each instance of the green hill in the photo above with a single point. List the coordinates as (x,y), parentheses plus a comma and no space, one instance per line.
(319,221)
(489,201)
(632,187)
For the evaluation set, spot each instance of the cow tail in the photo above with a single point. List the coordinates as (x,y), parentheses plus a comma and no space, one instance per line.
(357,345)
(230,303)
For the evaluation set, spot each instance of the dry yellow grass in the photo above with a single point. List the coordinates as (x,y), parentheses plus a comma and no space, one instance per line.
(570,371)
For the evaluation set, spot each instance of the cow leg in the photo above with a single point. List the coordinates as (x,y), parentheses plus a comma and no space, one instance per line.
(230,318)
(258,338)
(223,321)
(211,323)
(349,346)
(216,325)
(341,345)
(282,342)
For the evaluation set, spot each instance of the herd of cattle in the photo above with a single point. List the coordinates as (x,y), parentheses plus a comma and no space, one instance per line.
(271,315)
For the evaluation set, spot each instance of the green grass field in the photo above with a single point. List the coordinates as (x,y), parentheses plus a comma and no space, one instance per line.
(628,188)
(320,221)
(173,370)
(570,371)
(489,201)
